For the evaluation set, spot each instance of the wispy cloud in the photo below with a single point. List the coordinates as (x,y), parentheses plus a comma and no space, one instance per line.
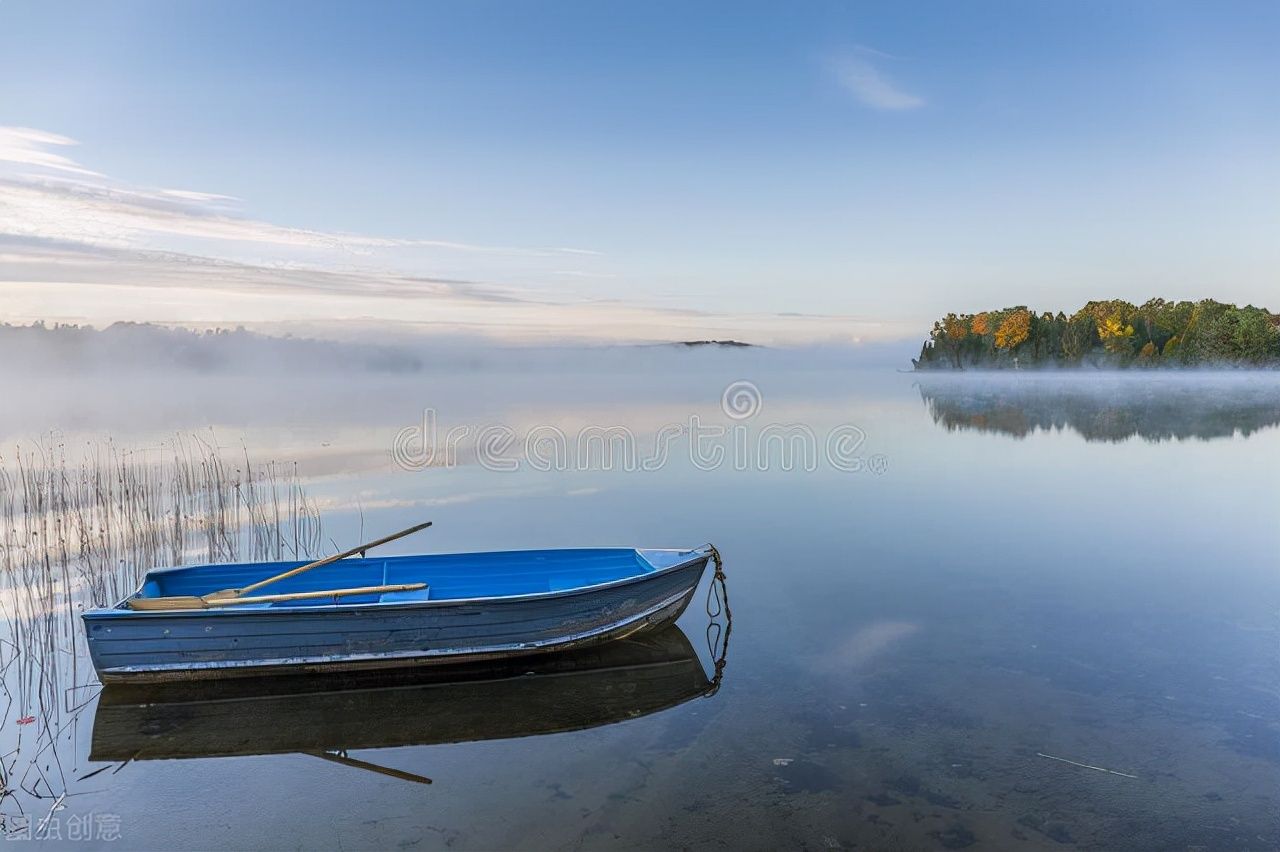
(53,281)
(52,196)
(30,147)
(188,195)
(857,73)
(79,246)
(577,273)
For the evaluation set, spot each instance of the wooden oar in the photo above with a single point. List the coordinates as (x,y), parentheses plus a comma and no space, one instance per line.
(302,596)
(341,757)
(329,561)
(202,601)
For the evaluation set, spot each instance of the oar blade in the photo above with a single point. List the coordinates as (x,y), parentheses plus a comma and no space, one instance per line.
(166,603)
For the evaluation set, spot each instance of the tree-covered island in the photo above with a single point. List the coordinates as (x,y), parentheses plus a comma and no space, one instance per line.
(1111,334)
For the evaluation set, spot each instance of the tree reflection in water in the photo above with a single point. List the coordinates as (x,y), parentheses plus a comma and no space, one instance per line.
(1110,408)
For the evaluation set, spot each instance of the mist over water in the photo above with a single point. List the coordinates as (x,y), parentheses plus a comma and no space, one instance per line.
(1073,566)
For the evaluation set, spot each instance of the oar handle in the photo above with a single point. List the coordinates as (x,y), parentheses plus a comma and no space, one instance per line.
(331,559)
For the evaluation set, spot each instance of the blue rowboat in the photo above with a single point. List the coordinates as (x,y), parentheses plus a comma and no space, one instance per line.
(455,607)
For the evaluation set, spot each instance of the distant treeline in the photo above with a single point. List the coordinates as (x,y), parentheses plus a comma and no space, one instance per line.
(63,347)
(1112,334)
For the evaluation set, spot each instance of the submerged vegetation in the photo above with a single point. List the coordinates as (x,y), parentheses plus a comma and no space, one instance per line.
(1110,334)
(78,528)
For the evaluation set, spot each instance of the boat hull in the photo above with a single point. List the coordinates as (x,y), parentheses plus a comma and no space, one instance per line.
(466,702)
(200,644)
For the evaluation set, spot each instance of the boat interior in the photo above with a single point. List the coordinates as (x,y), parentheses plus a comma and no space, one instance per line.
(459,576)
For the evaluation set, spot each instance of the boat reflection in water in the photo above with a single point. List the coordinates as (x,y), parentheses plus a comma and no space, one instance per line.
(326,716)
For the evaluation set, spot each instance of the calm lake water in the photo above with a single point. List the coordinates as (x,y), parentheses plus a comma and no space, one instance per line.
(1031,612)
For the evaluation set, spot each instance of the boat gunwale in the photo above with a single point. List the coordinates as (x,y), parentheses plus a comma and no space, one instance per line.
(120,610)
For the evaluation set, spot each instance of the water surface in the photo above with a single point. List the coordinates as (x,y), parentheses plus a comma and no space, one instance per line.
(1032,567)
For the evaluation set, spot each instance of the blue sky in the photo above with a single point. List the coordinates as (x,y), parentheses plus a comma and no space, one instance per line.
(706,165)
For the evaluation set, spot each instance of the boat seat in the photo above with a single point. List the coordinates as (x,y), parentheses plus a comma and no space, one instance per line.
(415,595)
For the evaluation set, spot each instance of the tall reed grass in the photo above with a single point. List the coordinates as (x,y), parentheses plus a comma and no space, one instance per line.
(78,528)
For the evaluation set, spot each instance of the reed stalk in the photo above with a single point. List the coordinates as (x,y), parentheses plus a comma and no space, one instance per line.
(79,529)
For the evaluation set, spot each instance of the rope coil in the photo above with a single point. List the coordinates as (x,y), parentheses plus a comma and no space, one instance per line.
(717,604)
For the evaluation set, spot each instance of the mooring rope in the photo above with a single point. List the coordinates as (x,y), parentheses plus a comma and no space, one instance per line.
(718,636)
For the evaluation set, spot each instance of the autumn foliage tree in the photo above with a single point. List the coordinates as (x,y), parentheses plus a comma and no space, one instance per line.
(1014,329)
(1110,333)
(949,333)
